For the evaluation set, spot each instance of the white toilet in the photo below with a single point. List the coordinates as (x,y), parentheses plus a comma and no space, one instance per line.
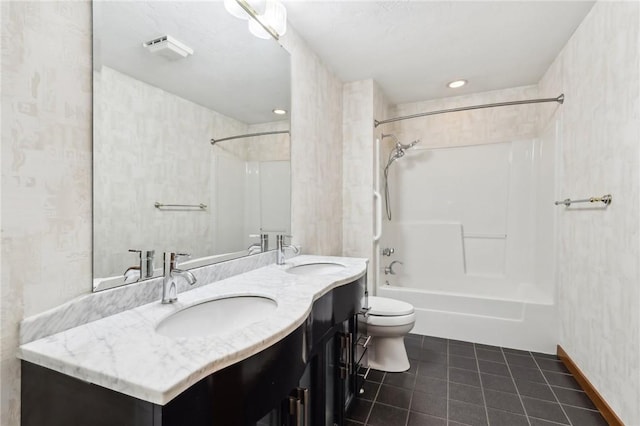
(387,323)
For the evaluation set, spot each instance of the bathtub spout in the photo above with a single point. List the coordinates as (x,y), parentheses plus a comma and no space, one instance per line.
(389,269)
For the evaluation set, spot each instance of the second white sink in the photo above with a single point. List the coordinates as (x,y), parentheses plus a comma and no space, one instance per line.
(218,316)
(316,268)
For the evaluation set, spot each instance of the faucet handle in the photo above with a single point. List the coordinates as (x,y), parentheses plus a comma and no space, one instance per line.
(388,251)
(177,256)
(171,259)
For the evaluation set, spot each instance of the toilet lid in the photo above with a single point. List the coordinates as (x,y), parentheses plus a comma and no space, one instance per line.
(383,306)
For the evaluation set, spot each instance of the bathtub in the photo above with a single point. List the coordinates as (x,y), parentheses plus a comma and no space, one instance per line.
(521,319)
(475,248)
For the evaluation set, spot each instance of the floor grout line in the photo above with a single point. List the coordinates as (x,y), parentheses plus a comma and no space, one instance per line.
(553,392)
(515,385)
(413,389)
(484,398)
(375,398)
(448,393)
(505,357)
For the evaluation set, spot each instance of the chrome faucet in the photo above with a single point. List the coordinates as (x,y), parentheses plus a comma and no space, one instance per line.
(169,289)
(263,245)
(280,246)
(389,269)
(144,266)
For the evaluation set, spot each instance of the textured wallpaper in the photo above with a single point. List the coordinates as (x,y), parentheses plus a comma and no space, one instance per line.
(475,127)
(316,151)
(46,169)
(363,101)
(598,267)
(46,165)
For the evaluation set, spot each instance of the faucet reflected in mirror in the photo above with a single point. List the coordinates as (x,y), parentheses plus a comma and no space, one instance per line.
(143,270)
(260,247)
(169,287)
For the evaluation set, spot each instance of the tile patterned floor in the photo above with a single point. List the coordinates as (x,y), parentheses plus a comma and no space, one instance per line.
(454,383)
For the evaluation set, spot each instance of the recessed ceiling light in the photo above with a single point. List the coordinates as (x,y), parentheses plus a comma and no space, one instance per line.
(457,83)
(280,111)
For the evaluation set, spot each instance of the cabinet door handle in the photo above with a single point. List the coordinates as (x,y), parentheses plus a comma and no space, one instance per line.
(307,408)
(295,409)
(350,353)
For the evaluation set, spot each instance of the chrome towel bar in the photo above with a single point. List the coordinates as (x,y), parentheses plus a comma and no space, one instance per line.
(187,206)
(606,199)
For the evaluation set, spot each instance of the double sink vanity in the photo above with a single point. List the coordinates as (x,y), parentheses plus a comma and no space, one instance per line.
(273,345)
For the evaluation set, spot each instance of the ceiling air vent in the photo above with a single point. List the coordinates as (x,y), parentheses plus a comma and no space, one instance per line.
(168,47)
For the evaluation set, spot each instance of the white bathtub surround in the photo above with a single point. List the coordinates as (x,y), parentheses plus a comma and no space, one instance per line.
(599,250)
(475,242)
(123,352)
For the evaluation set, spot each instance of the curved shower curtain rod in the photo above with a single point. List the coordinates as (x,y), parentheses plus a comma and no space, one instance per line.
(559,99)
(248,135)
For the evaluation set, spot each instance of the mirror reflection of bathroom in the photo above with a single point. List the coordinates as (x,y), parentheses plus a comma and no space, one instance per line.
(162,91)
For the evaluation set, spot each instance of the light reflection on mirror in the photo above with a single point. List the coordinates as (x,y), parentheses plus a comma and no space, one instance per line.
(154,117)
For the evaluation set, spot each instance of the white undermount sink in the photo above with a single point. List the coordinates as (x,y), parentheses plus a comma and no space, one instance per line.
(216,317)
(316,268)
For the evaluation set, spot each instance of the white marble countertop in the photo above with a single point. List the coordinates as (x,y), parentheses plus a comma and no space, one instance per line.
(124,353)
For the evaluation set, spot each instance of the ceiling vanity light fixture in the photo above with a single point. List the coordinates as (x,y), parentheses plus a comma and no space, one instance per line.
(267,18)
(279,111)
(457,83)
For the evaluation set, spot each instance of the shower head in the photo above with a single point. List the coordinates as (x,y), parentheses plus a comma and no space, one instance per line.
(400,146)
(407,146)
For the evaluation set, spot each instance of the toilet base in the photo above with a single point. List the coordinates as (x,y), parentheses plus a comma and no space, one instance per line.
(388,354)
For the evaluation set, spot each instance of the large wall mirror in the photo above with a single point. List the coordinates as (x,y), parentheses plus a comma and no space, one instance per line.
(159,184)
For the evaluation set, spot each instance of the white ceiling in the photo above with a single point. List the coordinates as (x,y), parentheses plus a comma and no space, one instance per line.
(414,48)
(231,71)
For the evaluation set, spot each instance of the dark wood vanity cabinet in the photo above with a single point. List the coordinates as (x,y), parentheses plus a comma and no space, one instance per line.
(307,378)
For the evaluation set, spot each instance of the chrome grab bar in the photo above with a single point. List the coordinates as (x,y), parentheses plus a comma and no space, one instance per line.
(606,199)
(200,206)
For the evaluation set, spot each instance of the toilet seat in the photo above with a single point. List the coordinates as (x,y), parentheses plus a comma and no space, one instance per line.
(383,306)
(390,321)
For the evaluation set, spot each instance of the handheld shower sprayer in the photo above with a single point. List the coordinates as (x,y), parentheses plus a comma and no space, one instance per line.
(397,152)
